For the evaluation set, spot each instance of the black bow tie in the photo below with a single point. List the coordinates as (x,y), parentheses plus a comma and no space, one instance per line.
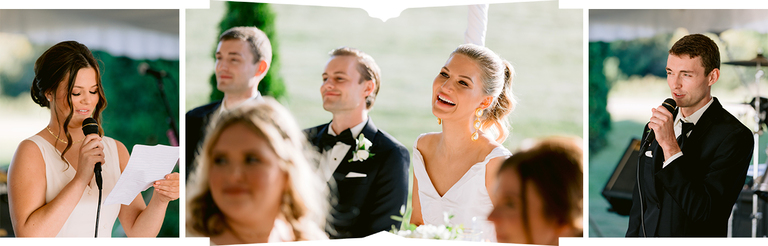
(327,141)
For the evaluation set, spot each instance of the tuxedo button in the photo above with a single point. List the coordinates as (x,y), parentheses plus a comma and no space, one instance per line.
(334,159)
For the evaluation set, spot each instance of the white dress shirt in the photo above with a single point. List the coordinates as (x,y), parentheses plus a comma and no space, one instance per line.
(223,108)
(330,159)
(679,119)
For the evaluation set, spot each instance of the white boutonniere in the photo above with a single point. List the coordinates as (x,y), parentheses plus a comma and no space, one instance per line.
(362,147)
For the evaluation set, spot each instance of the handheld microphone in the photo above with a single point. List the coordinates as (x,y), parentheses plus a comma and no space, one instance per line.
(670,105)
(91,127)
(145,69)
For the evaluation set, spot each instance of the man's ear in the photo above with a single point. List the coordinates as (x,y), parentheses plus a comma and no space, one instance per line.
(263,67)
(713,76)
(369,87)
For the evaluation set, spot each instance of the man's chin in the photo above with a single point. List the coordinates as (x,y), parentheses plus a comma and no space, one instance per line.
(327,106)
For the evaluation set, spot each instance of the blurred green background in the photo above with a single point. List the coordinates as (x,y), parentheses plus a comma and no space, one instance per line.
(542,42)
(135,113)
(627,78)
(410,50)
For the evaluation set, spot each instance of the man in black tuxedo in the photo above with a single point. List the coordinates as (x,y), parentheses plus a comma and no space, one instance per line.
(690,175)
(243,56)
(369,177)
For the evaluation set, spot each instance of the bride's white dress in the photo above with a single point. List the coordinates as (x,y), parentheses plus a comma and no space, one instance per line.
(467,198)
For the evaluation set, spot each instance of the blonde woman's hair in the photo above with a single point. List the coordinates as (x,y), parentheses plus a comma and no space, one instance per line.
(497,75)
(304,204)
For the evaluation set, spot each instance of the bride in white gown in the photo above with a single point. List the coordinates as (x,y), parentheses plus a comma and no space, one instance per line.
(454,169)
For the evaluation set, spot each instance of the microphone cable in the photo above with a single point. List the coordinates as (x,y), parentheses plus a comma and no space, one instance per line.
(98,205)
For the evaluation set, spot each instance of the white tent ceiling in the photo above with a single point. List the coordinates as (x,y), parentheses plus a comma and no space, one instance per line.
(139,34)
(626,24)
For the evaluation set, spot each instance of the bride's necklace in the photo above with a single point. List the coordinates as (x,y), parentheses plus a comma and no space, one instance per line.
(61,140)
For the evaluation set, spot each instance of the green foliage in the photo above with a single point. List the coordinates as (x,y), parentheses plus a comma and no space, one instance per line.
(642,56)
(259,15)
(599,118)
(14,86)
(135,113)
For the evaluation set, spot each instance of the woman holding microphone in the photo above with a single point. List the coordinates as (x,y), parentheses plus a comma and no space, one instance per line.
(52,189)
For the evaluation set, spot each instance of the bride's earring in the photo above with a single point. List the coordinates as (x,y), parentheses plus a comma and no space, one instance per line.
(439,121)
(478,114)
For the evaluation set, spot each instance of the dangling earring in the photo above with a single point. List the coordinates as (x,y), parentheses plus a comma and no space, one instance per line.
(286,206)
(478,114)
(439,121)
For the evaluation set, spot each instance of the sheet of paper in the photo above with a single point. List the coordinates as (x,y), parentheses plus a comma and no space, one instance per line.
(147,165)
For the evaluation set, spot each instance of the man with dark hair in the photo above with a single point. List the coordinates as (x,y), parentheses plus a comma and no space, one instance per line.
(366,167)
(243,56)
(691,173)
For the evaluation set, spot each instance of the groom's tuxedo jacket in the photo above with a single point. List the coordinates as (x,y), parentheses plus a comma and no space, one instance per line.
(693,195)
(362,206)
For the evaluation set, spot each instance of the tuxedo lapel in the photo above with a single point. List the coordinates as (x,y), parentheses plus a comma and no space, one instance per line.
(316,136)
(369,131)
(704,124)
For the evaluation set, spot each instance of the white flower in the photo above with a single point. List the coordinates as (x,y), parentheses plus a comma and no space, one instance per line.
(365,143)
(362,149)
(362,154)
(428,231)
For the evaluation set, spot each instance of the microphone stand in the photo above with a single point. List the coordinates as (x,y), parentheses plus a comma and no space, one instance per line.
(173,136)
(97,173)
(756,186)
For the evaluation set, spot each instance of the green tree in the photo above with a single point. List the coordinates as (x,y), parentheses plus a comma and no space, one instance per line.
(258,15)
(599,118)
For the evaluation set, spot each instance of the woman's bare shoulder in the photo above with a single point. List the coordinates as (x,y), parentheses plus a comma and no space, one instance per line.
(27,152)
(428,140)
(27,162)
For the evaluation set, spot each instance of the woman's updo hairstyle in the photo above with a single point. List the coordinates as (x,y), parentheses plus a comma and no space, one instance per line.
(497,75)
(58,66)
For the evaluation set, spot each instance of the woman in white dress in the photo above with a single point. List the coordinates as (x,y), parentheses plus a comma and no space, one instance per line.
(52,190)
(455,169)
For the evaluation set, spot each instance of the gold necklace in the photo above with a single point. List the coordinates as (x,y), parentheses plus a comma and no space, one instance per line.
(61,140)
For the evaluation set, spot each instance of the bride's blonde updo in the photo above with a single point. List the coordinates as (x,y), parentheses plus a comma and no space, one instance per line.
(497,75)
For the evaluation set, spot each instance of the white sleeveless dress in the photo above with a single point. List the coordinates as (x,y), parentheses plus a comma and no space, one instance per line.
(467,198)
(82,220)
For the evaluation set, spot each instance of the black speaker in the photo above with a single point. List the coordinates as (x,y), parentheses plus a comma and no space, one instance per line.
(618,190)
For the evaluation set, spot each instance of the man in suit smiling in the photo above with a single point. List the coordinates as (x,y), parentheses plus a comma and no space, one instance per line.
(692,172)
(243,56)
(366,167)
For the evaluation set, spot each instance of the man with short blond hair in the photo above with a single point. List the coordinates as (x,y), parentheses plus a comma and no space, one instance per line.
(366,167)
